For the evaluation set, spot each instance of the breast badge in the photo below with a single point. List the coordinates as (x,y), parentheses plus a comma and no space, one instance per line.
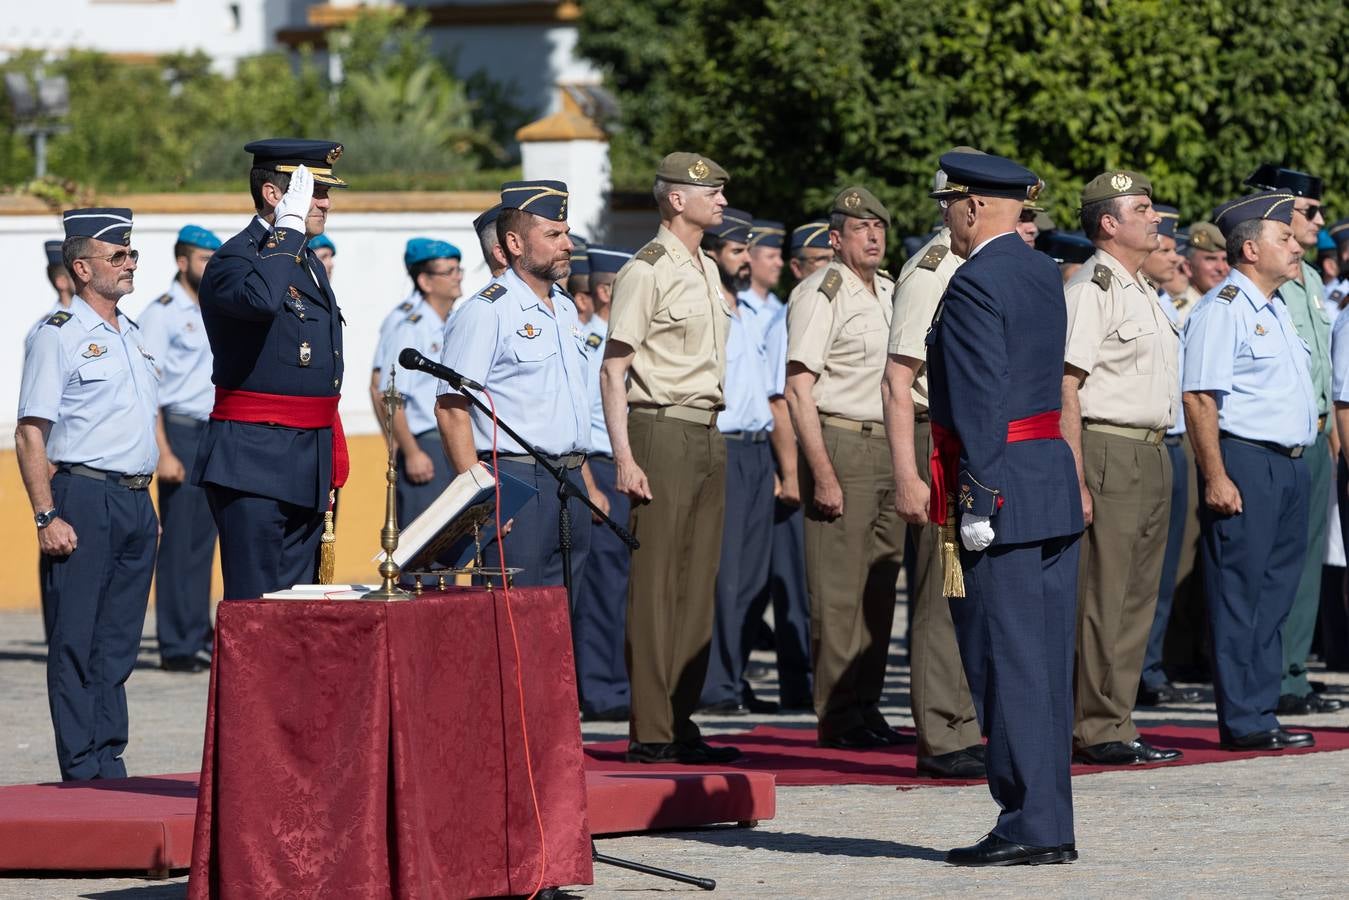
(1261,330)
(94,351)
(529,331)
(306,354)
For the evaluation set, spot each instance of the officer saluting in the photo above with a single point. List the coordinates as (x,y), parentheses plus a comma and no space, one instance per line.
(87,406)
(273,450)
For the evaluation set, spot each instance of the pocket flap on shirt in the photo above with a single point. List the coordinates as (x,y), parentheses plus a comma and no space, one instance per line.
(1132,330)
(686,310)
(533,351)
(100,369)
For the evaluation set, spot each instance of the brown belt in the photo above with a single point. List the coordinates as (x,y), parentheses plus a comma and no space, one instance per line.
(866,429)
(1147,435)
(704,417)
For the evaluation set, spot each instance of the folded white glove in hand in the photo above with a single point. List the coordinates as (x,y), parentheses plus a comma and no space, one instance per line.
(976,532)
(293,209)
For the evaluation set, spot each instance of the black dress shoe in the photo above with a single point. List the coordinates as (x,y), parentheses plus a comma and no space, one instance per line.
(961,764)
(977,751)
(1293,705)
(725,708)
(651,752)
(183,664)
(1318,687)
(613,714)
(994,851)
(759,707)
(1295,739)
(858,738)
(793,703)
(1322,704)
(1258,740)
(1167,693)
(1150,754)
(1110,753)
(701,753)
(892,738)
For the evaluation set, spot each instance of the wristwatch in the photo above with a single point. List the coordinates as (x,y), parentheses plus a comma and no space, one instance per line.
(43,519)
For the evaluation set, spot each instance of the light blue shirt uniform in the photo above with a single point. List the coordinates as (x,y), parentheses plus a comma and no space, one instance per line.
(100,389)
(1339,360)
(1173,316)
(172,332)
(384,342)
(596,339)
(28,338)
(775,346)
(533,362)
(424,329)
(748,381)
(758,312)
(1245,349)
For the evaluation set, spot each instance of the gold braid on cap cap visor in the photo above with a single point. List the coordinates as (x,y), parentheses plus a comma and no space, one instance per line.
(814,233)
(758,234)
(1274,200)
(1338,228)
(321,175)
(539,194)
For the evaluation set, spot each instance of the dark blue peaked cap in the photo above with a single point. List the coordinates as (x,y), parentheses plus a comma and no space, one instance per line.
(111,224)
(736,225)
(545,199)
(288,154)
(53,249)
(985,175)
(580,255)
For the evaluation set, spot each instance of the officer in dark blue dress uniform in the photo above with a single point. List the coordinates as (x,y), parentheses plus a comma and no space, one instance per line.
(267,457)
(995,363)
(87,407)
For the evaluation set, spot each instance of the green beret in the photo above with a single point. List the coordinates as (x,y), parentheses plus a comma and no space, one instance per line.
(691,168)
(860,203)
(1117,183)
(1206,236)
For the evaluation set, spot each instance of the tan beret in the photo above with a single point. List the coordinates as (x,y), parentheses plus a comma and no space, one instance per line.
(1206,236)
(1117,183)
(860,203)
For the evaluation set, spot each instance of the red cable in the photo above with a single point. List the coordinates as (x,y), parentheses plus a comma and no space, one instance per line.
(519,665)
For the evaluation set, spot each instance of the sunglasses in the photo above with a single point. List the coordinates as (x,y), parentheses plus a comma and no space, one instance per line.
(118,259)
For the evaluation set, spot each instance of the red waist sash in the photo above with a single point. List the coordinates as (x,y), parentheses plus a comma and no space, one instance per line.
(292,412)
(945,462)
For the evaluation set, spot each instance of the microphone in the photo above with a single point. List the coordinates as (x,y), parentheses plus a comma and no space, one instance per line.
(411,359)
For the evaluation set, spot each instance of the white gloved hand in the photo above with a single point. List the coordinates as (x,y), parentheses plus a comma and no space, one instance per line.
(976,532)
(293,209)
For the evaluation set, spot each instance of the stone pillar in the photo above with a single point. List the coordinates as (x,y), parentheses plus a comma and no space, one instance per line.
(570,146)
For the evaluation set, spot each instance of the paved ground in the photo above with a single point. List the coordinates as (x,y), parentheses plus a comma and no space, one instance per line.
(1264,827)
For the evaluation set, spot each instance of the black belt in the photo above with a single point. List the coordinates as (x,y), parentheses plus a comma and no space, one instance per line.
(1290,452)
(1173,440)
(134,482)
(749,437)
(565,461)
(183,421)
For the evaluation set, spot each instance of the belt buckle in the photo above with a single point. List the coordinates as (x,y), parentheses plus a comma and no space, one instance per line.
(138,482)
(1296,452)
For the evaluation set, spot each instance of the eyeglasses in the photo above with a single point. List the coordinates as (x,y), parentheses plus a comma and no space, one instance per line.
(118,259)
(948,202)
(445,272)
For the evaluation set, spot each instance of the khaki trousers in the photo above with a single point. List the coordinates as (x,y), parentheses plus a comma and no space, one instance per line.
(673,576)
(852,567)
(1121,566)
(942,709)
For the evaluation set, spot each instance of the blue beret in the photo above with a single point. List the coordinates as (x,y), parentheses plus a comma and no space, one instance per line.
(318,242)
(767,233)
(53,249)
(288,154)
(580,257)
(1324,241)
(1339,232)
(103,224)
(735,226)
(487,218)
(814,235)
(421,249)
(607,259)
(1276,178)
(546,199)
(198,237)
(1170,219)
(985,175)
(1276,206)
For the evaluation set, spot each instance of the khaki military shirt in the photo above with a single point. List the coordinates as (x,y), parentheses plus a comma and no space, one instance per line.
(839,330)
(668,307)
(1119,336)
(921,284)
(1185,303)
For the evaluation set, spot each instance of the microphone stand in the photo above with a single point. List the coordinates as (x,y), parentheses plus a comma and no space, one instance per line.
(566,488)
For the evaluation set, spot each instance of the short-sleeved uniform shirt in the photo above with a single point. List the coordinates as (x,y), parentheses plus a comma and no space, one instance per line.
(1129,348)
(1168,306)
(749,379)
(384,343)
(172,330)
(1185,303)
(668,307)
(424,329)
(1308,312)
(532,360)
(98,386)
(596,333)
(838,329)
(922,281)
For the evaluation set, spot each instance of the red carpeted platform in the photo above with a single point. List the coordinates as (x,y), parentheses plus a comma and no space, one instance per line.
(792,756)
(146,824)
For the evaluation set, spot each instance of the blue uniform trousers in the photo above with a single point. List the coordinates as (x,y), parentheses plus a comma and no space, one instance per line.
(1016,628)
(1154,675)
(96,610)
(265,544)
(413,499)
(786,590)
(1251,566)
(746,542)
(1300,628)
(183,572)
(533,544)
(600,618)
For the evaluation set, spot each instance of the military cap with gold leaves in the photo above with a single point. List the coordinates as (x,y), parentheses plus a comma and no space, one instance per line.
(288,154)
(1116,183)
(545,199)
(860,203)
(1206,236)
(691,168)
(1277,206)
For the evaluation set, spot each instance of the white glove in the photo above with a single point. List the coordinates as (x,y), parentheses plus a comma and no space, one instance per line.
(976,532)
(293,209)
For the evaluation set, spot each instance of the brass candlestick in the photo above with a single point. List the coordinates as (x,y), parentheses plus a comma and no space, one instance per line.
(388,535)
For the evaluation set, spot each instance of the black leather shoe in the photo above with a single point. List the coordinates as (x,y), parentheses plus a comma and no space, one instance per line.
(858,738)
(1318,687)
(1323,704)
(994,851)
(1167,693)
(759,707)
(701,753)
(1110,753)
(961,764)
(183,664)
(892,738)
(1295,739)
(725,708)
(1293,705)
(1069,852)
(615,714)
(977,751)
(651,753)
(1259,740)
(1149,754)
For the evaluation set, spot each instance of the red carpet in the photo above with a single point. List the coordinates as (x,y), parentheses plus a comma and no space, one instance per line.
(791,755)
(145,824)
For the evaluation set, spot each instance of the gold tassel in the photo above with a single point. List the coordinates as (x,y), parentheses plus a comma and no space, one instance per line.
(328,545)
(953,577)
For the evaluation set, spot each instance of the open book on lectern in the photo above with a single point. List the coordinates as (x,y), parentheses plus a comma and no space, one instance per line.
(443,535)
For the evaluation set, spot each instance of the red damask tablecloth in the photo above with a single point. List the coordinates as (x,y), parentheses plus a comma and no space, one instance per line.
(359,749)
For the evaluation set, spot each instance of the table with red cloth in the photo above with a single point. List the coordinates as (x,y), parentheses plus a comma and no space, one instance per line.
(362,749)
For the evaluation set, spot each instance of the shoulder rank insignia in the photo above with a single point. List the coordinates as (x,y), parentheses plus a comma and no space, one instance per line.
(1229,293)
(94,351)
(651,252)
(1101,277)
(59,318)
(933,257)
(1336,297)
(593,341)
(165,299)
(493,292)
(415,318)
(884,273)
(406,306)
(831,283)
(528,331)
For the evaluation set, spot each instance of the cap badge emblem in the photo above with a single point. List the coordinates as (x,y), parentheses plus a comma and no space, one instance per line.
(94,351)
(699,170)
(334,154)
(1121,182)
(853,200)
